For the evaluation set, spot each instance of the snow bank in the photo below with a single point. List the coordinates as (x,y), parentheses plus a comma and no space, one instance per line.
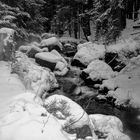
(36,78)
(125,86)
(10,85)
(31,122)
(119,54)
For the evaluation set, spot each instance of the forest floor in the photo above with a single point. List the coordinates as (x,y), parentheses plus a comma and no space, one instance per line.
(128,32)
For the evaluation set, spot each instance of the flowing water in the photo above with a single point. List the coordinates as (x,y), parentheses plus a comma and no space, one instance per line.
(130,117)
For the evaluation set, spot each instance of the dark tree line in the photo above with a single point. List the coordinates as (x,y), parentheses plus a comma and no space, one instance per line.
(60,16)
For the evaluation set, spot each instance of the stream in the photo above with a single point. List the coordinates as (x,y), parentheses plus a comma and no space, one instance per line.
(130,117)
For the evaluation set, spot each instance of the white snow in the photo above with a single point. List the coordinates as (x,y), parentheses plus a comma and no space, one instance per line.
(51,41)
(35,77)
(25,122)
(110,126)
(88,52)
(99,70)
(128,82)
(10,85)
(54,57)
(77,114)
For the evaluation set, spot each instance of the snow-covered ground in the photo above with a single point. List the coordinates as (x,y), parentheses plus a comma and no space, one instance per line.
(10,86)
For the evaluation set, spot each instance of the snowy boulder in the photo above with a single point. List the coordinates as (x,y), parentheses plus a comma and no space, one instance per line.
(51,43)
(122,97)
(68,108)
(127,83)
(110,127)
(97,71)
(108,85)
(35,78)
(47,59)
(118,55)
(70,114)
(32,49)
(48,35)
(88,52)
(52,60)
(60,69)
(31,121)
(7,43)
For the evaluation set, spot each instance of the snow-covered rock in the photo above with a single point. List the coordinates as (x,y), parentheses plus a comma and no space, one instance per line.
(52,60)
(124,88)
(48,35)
(7,43)
(51,43)
(98,70)
(110,127)
(108,84)
(31,121)
(118,55)
(36,78)
(72,115)
(74,110)
(122,97)
(32,49)
(88,52)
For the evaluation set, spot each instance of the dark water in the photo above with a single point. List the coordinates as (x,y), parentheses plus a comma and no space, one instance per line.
(128,117)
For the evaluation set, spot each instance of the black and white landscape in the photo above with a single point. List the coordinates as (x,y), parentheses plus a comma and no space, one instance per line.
(70,70)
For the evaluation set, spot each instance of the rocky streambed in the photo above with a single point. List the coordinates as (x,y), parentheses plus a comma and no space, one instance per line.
(88,99)
(78,87)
